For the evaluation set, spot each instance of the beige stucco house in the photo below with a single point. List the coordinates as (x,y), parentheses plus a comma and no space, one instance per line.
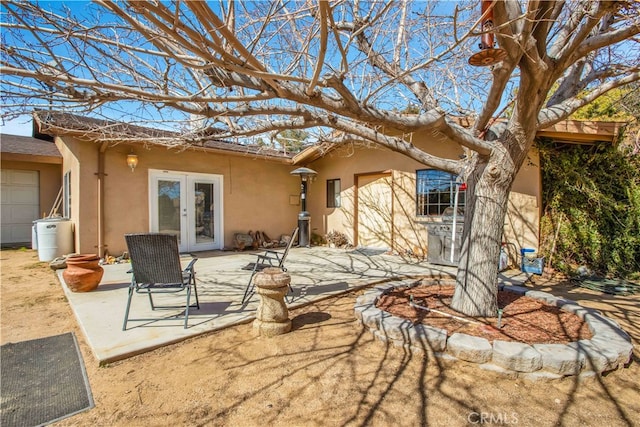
(206,194)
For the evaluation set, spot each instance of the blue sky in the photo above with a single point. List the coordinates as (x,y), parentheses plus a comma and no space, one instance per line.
(22,124)
(19,126)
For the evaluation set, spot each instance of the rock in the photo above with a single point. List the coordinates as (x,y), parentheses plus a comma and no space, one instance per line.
(242,240)
(469,348)
(382,287)
(519,290)
(395,328)
(371,317)
(543,296)
(516,356)
(596,358)
(560,359)
(506,373)
(58,263)
(584,271)
(603,355)
(367,298)
(540,376)
(427,338)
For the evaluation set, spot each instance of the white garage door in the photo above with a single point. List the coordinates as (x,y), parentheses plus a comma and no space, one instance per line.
(20,204)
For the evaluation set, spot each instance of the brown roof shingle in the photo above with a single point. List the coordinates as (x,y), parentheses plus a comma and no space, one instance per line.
(17,144)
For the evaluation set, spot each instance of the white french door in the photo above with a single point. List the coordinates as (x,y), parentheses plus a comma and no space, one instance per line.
(188,205)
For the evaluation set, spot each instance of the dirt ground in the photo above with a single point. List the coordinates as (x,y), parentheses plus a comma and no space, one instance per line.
(327,372)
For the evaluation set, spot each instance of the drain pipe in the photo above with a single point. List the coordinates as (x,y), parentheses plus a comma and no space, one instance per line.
(421,307)
(101,175)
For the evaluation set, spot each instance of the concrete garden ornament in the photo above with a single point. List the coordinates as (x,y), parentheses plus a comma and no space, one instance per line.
(272,317)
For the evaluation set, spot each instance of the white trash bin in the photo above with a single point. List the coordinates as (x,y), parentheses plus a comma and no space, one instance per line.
(54,237)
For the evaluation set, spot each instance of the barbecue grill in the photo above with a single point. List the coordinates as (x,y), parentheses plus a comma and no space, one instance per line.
(441,238)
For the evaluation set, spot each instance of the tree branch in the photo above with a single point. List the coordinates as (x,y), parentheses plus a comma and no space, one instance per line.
(553,114)
(324,33)
(543,23)
(398,145)
(567,30)
(602,40)
(565,55)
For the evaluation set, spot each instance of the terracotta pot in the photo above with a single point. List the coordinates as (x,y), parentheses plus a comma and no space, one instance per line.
(83,272)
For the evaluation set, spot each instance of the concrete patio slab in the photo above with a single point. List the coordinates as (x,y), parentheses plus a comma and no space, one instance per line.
(316,273)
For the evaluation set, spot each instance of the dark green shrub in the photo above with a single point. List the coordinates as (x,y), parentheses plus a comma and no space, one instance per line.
(591,201)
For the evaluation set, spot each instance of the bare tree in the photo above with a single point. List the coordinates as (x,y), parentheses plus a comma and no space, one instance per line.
(340,70)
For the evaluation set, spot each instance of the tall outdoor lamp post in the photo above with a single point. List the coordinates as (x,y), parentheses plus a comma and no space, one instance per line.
(304,218)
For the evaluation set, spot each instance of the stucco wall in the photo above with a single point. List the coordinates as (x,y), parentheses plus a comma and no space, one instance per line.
(409,231)
(261,194)
(70,163)
(256,193)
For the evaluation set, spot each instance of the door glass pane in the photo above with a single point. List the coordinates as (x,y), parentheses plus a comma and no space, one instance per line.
(169,207)
(204,209)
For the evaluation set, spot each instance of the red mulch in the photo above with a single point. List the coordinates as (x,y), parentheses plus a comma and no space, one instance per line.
(524,319)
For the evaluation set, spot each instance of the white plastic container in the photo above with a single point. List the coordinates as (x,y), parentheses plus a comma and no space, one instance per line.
(503,262)
(34,235)
(54,237)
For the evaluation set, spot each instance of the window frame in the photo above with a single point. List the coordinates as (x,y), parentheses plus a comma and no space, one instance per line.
(435,192)
(334,188)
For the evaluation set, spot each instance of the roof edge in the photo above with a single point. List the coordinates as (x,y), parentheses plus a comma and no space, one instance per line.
(95,130)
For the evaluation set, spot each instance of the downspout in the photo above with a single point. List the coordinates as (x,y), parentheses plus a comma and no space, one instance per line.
(101,175)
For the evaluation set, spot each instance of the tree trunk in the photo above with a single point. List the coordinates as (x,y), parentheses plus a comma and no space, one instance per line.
(477,278)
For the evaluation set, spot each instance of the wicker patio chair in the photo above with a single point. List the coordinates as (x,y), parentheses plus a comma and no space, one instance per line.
(269,258)
(155,264)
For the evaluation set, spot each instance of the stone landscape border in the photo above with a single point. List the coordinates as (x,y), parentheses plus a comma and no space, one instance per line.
(609,349)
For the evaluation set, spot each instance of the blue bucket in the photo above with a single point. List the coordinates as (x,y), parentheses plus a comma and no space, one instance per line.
(526,251)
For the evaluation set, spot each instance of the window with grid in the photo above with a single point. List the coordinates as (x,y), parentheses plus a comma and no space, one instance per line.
(333,193)
(435,191)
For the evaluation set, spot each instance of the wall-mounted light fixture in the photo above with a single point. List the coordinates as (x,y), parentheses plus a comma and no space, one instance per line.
(132,161)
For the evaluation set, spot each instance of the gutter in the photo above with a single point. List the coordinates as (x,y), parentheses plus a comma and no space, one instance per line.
(307,155)
(101,176)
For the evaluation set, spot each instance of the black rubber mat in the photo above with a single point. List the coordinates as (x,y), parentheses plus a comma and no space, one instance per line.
(42,381)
